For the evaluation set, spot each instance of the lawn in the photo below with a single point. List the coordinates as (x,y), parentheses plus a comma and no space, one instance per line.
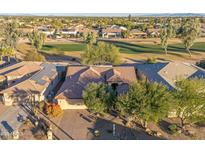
(64,47)
(130,51)
(128,48)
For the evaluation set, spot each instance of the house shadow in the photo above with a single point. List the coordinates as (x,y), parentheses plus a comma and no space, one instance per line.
(122,132)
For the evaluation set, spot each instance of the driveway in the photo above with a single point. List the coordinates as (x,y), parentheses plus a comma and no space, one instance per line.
(80,125)
(10,119)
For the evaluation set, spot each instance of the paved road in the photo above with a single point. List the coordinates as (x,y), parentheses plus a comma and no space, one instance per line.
(10,119)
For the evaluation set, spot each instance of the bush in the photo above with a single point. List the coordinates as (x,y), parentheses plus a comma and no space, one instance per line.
(173,128)
(53,110)
(201,64)
(34,56)
(151,60)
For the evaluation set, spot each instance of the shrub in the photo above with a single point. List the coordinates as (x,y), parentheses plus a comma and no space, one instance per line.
(53,110)
(151,60)
(173,128)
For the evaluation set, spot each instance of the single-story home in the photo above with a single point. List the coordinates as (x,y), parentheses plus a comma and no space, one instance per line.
(136,33)
(69,31)
(153,32)
(36,88)
(77,78)
(168,73)
(111,33)
(12,72)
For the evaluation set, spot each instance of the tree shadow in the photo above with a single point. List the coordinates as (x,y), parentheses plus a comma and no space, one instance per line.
(182,49)
(122,132)
(51,57)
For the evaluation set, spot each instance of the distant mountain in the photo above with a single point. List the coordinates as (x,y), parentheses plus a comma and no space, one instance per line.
(108,14)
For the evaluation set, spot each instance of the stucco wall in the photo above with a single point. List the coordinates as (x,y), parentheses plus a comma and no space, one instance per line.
(76,104)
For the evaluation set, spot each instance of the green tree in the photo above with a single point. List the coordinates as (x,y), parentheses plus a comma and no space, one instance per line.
(36,39)
(167,32)
(7,51)
(189,101)
(103,53)
(98,97)
(145,102)
(89,38)
(190,31)
(10,36)
(125,33)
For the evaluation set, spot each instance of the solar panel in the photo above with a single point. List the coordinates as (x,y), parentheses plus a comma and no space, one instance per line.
(48,71)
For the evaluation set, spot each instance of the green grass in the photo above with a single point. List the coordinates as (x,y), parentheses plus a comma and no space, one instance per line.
(125,47)
(64,47)
(130,48)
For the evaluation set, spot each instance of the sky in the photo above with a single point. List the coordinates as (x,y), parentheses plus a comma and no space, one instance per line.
(102,6)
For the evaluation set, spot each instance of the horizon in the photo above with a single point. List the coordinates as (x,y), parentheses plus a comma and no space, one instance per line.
(103,14)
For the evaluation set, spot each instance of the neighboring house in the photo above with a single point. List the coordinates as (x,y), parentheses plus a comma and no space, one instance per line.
(136,33)
(69,31)
(47,31)
(153,32)
(168,73)
(85,31)
(36,88)
(11,73)
(118,27)
(111,33)
(69,95)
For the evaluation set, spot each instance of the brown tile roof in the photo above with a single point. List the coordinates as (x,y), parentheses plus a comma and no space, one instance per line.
(20,69)
(79,76)
(36,83)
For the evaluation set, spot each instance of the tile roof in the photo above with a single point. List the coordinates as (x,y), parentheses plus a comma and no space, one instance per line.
(79,76)
(36,83)
(168,73)
(20,69)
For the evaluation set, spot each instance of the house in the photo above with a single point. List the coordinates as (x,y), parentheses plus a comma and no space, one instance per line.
(118,27)
(69,95)
(46,30)
(153,32)
(36,88)
(69,31)
(85,31)
(111,33)
(168,73)
(136,33)
(11,73)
